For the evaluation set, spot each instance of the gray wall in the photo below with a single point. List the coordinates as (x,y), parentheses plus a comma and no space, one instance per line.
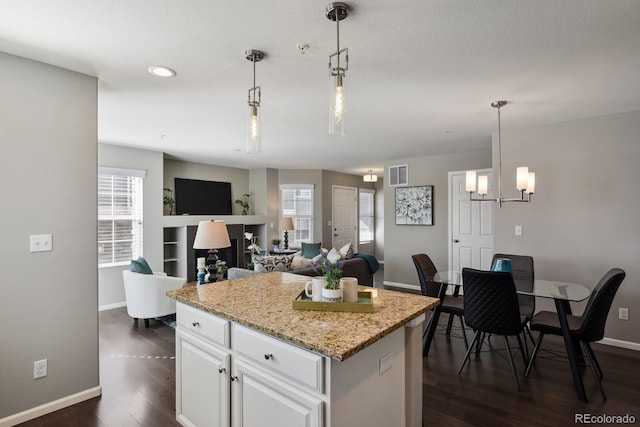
(402,241)
(239,179)
(110,286)
(379,219)
(584,216)
(48,132)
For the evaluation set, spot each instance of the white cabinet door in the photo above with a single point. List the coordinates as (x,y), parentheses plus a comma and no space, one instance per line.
(261,400)
(202,382)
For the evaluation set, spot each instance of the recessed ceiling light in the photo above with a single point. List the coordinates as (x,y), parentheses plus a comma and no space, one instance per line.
(160,71)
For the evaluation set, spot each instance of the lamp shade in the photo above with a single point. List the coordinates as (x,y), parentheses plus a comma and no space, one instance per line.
(211,235)
(285,224)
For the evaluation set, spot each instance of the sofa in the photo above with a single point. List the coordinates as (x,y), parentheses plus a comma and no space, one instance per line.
(357,267)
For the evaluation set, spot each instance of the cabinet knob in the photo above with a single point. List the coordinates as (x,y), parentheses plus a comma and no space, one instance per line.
(222,370)
(234,378)
(268,356)
(196,324)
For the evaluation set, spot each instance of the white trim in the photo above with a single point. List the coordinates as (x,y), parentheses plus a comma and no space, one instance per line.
(401,285)
(104,170)
(112,306)
(50,407)
(619,343)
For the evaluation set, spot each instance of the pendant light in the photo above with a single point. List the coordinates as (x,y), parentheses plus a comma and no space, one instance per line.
(370,177)
(525,180)
(337,12)
(254,131)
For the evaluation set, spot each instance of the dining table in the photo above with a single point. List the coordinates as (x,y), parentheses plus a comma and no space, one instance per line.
(562,294)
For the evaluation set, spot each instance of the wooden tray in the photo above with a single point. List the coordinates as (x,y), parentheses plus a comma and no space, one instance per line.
(363,305)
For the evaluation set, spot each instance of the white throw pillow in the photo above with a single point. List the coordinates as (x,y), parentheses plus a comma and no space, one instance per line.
(299,262)
(333,256)
(346,252)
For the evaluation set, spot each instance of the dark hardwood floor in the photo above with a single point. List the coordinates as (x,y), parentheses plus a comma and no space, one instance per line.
(137,375)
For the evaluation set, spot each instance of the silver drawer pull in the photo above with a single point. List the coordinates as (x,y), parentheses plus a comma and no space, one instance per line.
(196,324)
(222,370)
(268,356)
(234,378)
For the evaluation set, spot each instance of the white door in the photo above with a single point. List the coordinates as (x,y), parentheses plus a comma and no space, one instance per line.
(470,225)
(345,217)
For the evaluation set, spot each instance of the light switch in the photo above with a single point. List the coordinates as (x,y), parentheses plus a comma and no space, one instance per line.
(40,243)
(518,230)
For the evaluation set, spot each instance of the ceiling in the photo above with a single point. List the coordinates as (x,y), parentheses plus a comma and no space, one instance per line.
(422,73)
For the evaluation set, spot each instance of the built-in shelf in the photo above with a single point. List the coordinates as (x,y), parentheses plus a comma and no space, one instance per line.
(171,260)
(184,220)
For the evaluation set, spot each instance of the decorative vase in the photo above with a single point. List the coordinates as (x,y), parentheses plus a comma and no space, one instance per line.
(502,264)
(201,276)
(276,247)
(332,295)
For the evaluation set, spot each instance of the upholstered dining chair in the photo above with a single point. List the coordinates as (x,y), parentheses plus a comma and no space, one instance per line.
(587,328)
(491,307)
(523,271)
(452,304)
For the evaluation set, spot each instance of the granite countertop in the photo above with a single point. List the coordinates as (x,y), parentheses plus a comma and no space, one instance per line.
(264,302)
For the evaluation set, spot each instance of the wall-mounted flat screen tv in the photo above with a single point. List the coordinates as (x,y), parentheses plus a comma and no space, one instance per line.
(198,197)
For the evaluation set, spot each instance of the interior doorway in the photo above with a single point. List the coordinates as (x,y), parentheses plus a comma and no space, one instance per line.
(344,218)
(470,225)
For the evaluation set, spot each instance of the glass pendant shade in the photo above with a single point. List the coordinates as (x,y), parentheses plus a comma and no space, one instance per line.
(254,131)
(337,106)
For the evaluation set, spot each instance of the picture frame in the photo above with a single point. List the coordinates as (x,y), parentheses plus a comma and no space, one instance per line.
(414,205)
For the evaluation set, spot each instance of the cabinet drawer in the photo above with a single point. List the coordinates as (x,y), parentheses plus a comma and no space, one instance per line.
(277,356)
(210,327)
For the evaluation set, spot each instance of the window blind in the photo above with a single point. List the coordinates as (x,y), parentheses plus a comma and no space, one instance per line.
(296,201)
(119,217)
(366,215)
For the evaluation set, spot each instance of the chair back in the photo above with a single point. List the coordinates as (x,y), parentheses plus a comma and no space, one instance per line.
(426,269)
(595,314)
(491,302)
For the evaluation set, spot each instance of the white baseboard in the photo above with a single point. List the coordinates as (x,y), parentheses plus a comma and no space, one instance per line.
(619,343)
(401,285)
(112,306)
(47,408)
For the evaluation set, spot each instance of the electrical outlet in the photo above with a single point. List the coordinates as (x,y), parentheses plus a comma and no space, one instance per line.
(39,369)
(518,230)
(623,313)
(40,243)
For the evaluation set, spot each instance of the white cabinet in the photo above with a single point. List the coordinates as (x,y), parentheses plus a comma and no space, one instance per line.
(260,399)
(202,378)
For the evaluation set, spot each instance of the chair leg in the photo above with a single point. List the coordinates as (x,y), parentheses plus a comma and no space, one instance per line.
(526,327)
(524,352)
(464,333)
(475,340)
(513,367)
(592,365)
(480,343)
(146,323)
(449,323)
(593,357)
(533,354)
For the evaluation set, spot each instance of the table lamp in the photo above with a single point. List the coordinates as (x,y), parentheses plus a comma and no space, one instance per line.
(211,235)
(285,225)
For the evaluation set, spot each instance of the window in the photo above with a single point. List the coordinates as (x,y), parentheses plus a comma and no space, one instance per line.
(296,201)
(398,175)
(366,215)
(119,216)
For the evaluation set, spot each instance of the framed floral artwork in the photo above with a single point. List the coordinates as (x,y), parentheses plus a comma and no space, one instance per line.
(414,205)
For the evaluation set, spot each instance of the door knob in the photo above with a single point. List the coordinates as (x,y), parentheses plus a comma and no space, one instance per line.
(456,241)
(335,235)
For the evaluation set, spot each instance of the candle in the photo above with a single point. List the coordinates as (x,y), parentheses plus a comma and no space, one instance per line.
(201,262)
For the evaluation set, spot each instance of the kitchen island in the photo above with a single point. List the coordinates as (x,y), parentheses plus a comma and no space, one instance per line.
(245,357)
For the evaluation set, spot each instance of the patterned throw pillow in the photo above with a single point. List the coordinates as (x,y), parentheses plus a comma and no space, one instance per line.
(266,264)
(300,262)
(346,252)
(333,256)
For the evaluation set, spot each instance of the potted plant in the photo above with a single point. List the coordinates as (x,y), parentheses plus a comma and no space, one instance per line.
(244,202)
(168,200)
(222,269)
(276,244)
(331,292)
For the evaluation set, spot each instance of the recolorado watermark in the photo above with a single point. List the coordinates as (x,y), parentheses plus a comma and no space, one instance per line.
(604,419)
